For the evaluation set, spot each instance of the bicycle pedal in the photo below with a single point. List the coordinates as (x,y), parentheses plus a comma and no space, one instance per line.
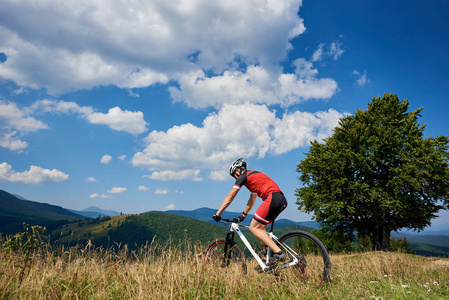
(268,269)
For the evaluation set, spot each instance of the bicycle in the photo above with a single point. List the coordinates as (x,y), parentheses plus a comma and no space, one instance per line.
(305,252)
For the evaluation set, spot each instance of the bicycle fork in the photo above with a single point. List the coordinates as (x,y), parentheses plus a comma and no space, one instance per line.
(229,239)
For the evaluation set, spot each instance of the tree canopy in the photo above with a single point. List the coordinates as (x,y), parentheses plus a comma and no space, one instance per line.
(377,173)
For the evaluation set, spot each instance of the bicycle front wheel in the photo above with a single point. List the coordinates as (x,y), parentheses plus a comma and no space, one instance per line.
(224,253)
(314,261)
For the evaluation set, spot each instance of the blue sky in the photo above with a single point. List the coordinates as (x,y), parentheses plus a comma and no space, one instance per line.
(142,106)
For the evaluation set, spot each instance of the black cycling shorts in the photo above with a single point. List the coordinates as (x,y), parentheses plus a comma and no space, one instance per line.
(271,207)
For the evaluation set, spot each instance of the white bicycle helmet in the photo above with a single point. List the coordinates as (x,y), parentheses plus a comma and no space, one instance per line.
(238,164)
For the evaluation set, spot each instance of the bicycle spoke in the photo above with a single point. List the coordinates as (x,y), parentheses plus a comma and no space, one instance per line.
(223,254)
(313,259)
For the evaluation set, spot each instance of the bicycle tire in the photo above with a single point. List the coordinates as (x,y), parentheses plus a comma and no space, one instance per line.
(312,254)
(215,253)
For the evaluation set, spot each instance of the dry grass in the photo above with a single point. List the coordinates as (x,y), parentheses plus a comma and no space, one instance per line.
(164,272)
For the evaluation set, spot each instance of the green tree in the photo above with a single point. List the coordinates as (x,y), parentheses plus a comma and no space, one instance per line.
(376,174)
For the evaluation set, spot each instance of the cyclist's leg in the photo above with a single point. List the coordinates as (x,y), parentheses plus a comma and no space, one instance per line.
(271,207)
(259,231)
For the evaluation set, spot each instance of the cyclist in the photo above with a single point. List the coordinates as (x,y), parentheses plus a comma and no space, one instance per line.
(273,204)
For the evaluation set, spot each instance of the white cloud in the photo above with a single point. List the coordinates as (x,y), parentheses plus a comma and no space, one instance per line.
(66,45)
(333,50)
(179,192)
(304,69)
(247,130)
(14,122)
(299,128)
(91,179)
(174,175)
(160,191)
(318,54)
(117,190)
(56,107)
(11,141)
(122,157)
(256,85)
(362,78)
(106,159)
(142,188)
(95,195)
(170,207)
(132,94)
(36,175)
(13,117)
(219,175)
(208,53)
(117,119)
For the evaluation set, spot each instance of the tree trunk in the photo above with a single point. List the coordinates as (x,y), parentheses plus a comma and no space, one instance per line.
(380,239)
(386,239)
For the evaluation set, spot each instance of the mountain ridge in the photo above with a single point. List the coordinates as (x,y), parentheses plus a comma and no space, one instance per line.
(206,213)
(95,212)
(15,211)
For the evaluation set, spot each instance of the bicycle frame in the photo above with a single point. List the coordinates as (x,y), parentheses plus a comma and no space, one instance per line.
(235,228)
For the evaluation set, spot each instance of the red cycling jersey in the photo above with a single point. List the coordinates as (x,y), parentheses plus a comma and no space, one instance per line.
(257,182)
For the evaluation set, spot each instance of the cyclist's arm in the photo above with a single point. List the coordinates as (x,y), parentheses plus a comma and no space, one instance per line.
(250,204)
(227,201)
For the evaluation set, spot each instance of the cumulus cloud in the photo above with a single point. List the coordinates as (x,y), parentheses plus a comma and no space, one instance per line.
(91,179)
(11,141)
(95,195)
(160,191)
(142,188)
(246,130)
(299,128)
(219,175)
(116,118)
(176,175)
(82,44)
(36,175)
(117,190)
(15,122)
(256,85)
(106,159)
(170,207)
(59,107)
(85,44)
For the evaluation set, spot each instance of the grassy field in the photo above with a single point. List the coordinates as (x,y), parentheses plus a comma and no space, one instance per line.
(164,272)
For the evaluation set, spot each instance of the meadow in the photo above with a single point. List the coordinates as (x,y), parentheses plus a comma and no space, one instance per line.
(180,272)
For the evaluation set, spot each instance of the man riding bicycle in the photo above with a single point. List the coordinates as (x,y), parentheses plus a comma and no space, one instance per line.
(273,204)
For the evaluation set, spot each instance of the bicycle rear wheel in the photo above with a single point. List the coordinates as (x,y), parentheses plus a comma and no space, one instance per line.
(224,253)
(314,261)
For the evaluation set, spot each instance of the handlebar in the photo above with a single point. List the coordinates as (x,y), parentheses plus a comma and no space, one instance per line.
(227,220)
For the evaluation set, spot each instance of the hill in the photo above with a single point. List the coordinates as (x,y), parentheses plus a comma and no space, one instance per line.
(137,230)
(427,245)
(15,211)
